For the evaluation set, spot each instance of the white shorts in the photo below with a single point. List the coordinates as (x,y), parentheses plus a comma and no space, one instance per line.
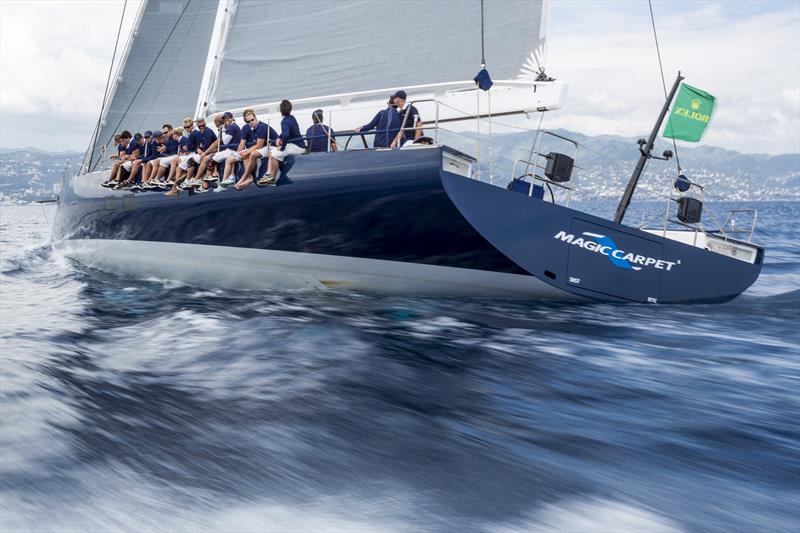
(184,164)
(220,157)
(165,161)
(127,165)
(290,149)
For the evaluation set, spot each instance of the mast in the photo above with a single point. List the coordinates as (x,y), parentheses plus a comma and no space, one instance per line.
(645,155)
(222,26)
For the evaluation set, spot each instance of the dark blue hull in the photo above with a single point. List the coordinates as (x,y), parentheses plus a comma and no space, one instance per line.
(395,209)
(597,258)
(376,205)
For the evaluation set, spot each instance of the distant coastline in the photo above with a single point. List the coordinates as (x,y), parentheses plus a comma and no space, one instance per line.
(605,163)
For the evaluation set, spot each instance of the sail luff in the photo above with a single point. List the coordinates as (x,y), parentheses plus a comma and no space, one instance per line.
(222,25)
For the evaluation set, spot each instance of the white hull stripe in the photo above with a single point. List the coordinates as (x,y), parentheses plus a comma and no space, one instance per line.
(248,268)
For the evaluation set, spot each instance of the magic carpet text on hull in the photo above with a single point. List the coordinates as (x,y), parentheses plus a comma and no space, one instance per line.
(414,220)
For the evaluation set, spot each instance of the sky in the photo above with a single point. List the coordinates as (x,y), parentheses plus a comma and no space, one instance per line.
(55,56)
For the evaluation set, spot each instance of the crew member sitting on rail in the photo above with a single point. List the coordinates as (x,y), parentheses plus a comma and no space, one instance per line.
(171,143)
(179,134)
(191,144)
(159,147)
(147,154)
(386,124)
(290,142)
(231,138)
(320,137)
(263,136)
(207,145)
(132,152)
(161,151)
(115,177)
(409,118)
(119,150)
(207,163)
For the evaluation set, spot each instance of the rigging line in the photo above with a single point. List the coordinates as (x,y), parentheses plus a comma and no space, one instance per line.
(96,131)
(149,70)
(663,81)
(483,54)
(535,138)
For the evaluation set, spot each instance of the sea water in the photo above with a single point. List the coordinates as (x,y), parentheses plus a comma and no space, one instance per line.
(144,405)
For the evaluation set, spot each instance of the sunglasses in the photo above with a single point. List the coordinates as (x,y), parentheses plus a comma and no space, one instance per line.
(251,120)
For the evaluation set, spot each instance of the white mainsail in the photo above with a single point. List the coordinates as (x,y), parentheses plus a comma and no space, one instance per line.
(308,48)
(160,75)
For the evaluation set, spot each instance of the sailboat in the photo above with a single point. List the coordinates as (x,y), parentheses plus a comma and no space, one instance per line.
(419,219)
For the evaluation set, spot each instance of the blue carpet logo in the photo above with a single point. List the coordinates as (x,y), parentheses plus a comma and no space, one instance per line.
(605,245)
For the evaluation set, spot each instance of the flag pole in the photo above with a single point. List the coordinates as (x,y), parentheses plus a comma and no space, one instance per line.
(645,155)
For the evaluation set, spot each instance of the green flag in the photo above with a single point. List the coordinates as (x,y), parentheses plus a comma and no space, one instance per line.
(690,114)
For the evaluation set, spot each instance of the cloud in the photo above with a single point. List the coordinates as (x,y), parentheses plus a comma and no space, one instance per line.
(54,58)
(748,58)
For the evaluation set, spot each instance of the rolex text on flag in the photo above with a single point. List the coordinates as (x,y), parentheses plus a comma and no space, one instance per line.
(690,114)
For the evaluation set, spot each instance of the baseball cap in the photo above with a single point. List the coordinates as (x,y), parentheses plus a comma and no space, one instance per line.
(137,136)
(148,133)
(400,94)
(227,114)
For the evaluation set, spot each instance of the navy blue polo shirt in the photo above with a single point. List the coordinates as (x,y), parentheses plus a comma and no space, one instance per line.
(172,146)
(132,147)
(248,135)
(149,151)
(262,131)
(193,141)
(387,124)
(235,132)
(318,138)
(413,117)
(183,145)
(207,138)
(290,132)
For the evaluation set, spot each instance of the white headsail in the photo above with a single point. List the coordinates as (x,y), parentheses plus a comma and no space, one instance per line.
(160,75)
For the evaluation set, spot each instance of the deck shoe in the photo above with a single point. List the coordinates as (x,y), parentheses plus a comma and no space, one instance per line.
(227,182)
(268,179)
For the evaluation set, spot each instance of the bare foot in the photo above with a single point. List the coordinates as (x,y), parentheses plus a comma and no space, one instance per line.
(241,184)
